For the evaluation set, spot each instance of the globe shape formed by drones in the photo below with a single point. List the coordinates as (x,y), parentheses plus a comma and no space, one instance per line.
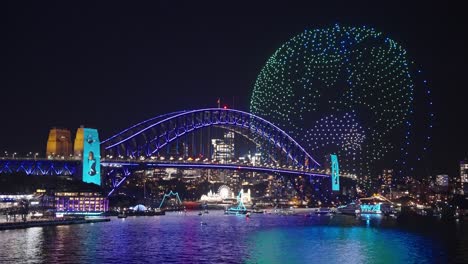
(342,90)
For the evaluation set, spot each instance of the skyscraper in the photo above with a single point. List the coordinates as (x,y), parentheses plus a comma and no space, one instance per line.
(462,182)
(223,149)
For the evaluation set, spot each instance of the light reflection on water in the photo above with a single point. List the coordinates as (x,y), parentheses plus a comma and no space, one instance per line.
(179,238)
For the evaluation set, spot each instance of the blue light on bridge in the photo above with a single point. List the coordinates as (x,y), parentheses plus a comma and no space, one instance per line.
(91,156)
(335,173)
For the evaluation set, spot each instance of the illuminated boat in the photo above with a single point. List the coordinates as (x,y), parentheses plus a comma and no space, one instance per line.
(322,211)
(349,209)
(376,204)
(240,209)
(236,211)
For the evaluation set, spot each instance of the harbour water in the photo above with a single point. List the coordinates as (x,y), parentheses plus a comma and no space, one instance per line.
(218,238)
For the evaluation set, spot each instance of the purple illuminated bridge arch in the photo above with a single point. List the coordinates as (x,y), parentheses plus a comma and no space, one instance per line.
(135,147)
(148,137)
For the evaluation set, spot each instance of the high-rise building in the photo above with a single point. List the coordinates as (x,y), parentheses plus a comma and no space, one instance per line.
(386,182)
(463,180)
(442,180)
(223,149)
(387,177)
(59,143)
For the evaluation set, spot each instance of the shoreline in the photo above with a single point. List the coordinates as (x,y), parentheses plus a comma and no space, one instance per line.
(28,224)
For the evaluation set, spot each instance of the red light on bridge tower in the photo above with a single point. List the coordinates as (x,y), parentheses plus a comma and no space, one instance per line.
(225,107)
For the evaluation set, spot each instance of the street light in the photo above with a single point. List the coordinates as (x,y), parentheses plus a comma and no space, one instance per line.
(14,154)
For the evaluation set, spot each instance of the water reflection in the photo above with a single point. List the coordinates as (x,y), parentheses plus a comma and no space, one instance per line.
(179,238)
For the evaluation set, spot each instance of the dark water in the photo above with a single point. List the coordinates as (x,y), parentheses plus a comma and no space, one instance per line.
(179,238)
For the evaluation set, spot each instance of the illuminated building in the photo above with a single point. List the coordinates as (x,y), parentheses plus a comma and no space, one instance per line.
(59,143)
(387,177)
(224,192)
(80,202)
(463,180)
(385,181)
(442,180)
(223,149)
(10,200)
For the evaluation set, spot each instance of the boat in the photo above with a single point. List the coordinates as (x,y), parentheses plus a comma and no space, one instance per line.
(257,211)
(158,211)
(206,211)
(376,204)
(200,213)
(154,212)
(322,211)
(236,211)
(349,209)
(239,209)
(122,215)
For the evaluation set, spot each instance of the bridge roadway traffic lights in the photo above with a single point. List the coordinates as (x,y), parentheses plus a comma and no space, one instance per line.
(87,146)
(335,173)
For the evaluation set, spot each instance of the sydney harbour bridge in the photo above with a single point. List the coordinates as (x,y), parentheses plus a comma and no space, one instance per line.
(138,148)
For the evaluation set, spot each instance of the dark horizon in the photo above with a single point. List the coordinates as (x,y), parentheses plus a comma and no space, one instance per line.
(108,65)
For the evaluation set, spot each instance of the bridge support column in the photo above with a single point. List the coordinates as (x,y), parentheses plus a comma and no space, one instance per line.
(335,173)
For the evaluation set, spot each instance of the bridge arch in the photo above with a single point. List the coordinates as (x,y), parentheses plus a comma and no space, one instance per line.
(148,137)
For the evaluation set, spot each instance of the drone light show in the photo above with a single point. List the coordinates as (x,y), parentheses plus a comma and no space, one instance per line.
(351,91)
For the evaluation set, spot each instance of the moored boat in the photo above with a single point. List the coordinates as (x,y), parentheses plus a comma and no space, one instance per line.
(122,215)
(349,209)
(322,211)
(376,204)
(236,211)
(257,211)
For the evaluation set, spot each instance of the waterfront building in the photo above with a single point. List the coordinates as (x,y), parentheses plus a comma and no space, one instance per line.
(80,202)
(223,193)
(12,200)
(59,143)
(211,197)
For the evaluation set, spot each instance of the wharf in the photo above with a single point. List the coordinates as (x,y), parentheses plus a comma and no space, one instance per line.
(56,222)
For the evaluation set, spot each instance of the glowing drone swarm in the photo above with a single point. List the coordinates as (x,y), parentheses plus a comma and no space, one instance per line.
(343,90)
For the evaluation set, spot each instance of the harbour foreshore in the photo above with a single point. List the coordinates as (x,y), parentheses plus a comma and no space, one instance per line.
(52,222)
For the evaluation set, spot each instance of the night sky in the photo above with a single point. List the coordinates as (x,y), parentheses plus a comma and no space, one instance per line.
(108,65)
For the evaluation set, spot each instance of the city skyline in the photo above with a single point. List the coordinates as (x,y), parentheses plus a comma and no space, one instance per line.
(109,67)
(233,132)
